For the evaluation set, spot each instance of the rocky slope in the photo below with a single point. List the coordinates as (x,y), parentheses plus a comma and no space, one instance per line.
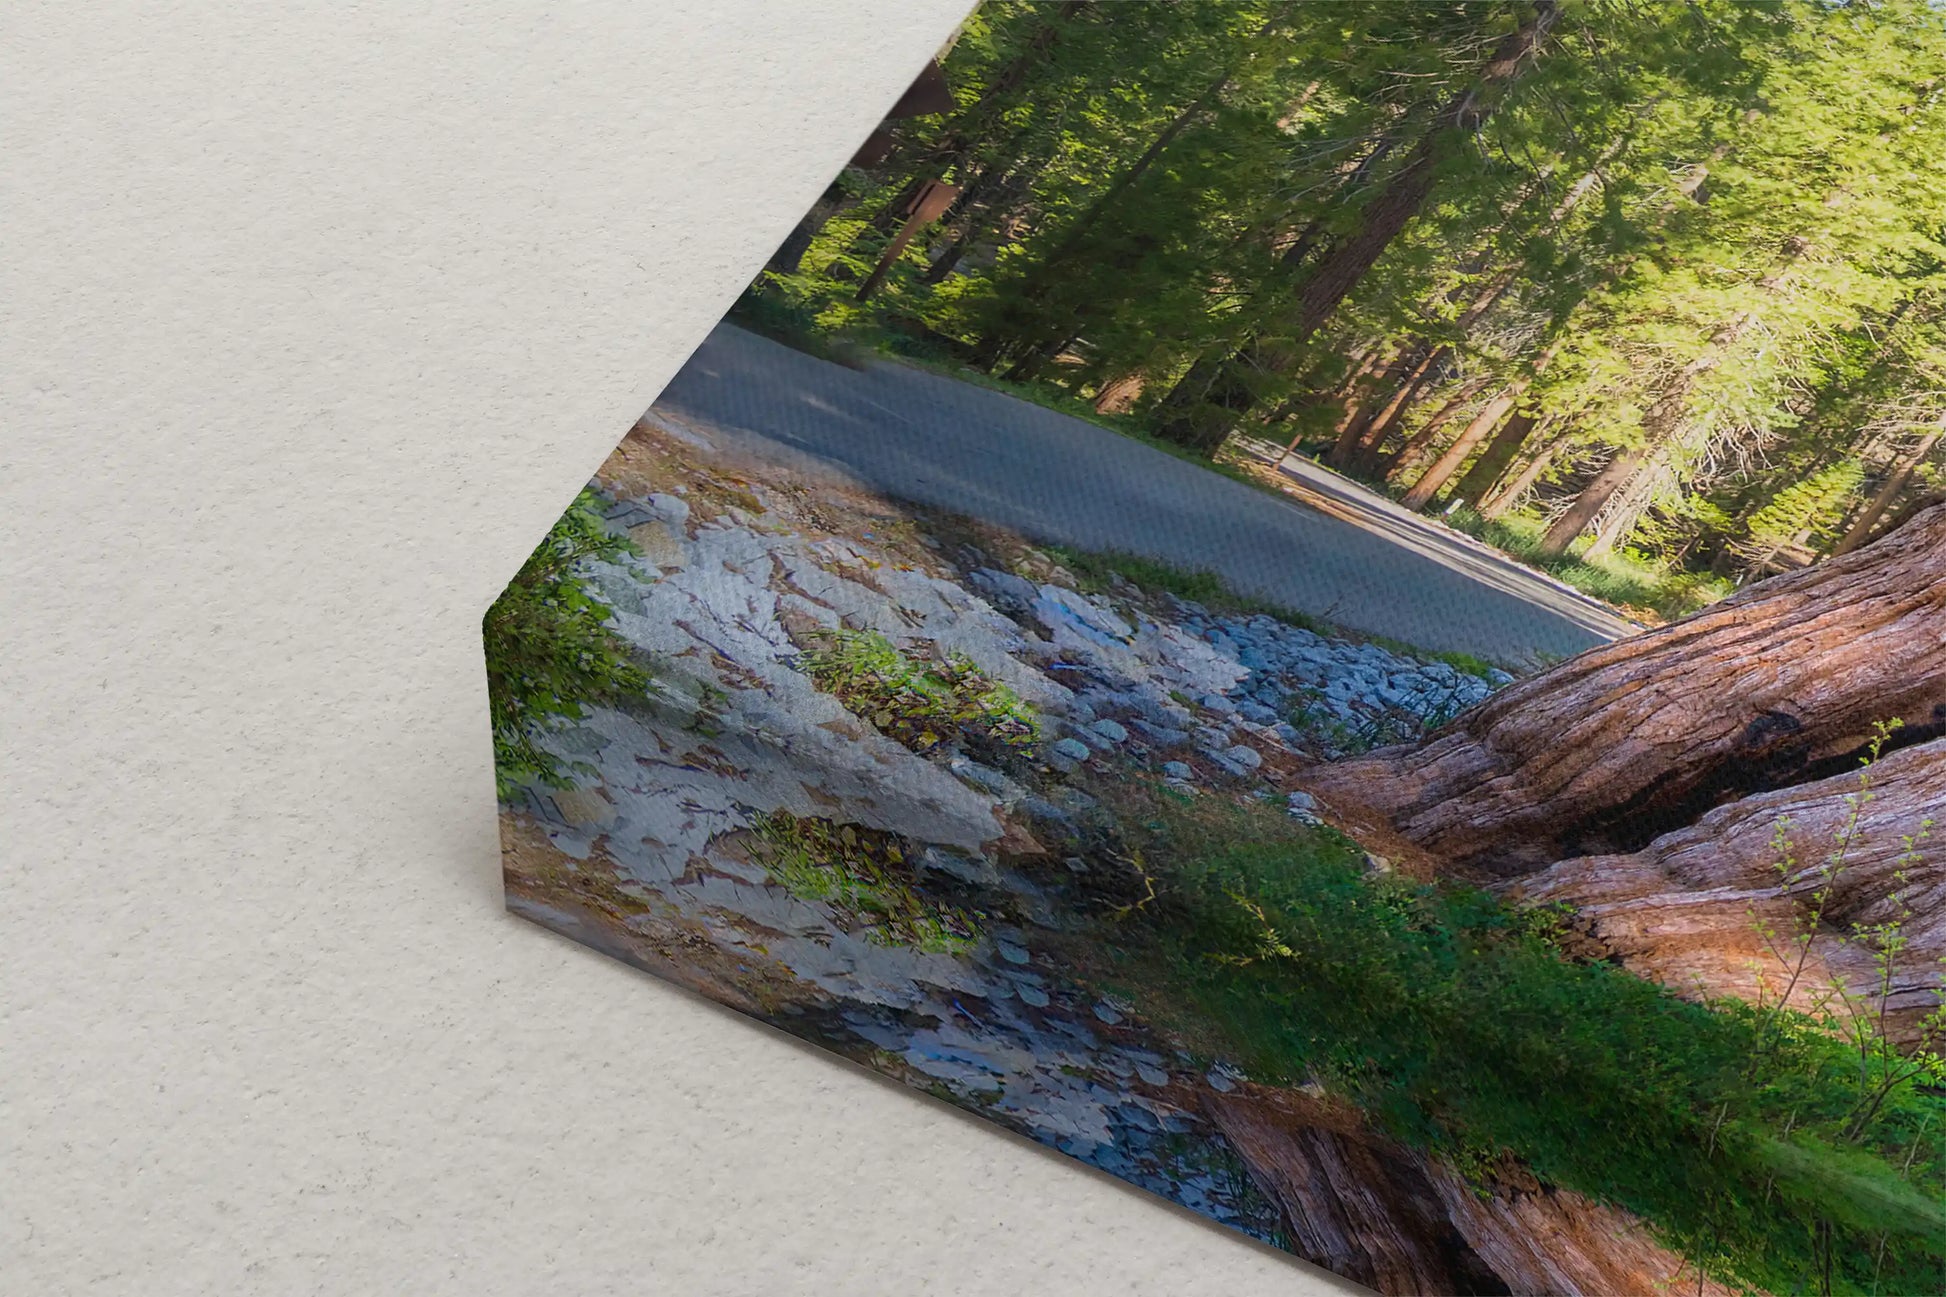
(665,852)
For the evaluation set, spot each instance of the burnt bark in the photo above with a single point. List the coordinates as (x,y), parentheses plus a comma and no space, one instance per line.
(1776,686)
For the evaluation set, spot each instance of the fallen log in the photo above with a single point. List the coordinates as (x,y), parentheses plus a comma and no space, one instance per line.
(1777,686)
(1685,909)
(1400,1222)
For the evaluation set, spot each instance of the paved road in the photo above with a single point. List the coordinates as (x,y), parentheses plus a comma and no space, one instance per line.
(1349,555)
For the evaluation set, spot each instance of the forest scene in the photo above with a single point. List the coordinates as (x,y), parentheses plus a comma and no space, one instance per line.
(1335,608)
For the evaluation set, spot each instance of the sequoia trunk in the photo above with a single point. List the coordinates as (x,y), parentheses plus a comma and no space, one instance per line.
(1402,1223)
(1776,686)
(1684,910)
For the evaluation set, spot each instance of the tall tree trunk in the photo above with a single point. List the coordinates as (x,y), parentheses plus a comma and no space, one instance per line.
(1414,452)
(1661,421)
(1340,270)
(1504,498)
(993,350)
(1778,685)
(1181,404)
(1496,459)
(1895,484)
(1626,507)
(1363,361)
(1030,365)
(1366,458)
(1442,469)
(1341,267)
(1351,432)
(790,253)
(1484,298)
(1581,511)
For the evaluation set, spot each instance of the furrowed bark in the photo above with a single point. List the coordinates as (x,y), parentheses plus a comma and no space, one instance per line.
(1684,910)
(1400,1222)
(1351,1202)
(1776,686)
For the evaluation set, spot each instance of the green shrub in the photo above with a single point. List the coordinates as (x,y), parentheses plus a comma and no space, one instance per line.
(549,651)
(1460,1026)
(920,704)
(864,876)
(1623,577)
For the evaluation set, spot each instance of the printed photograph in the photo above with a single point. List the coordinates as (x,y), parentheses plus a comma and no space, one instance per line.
(1335,608)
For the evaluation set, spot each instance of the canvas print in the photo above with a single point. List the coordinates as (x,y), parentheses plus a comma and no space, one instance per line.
(1337,610)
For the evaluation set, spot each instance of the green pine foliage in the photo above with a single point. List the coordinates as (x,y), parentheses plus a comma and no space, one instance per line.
(1705,235)
(1808,510)
(549,651)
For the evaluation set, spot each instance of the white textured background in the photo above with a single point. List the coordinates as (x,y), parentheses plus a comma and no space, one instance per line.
(315,315)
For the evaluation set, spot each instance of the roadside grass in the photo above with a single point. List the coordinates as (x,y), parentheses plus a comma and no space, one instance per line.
(1623,579)
(549,651)
(1096,568)
(1459,1025)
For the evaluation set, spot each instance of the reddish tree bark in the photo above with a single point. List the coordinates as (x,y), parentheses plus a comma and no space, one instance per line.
(1776,686)
(1660,421)
(1409,361)
(1352,1201)
(1400,1222)
(1411,455)
(1494,461)
(1340,270)
(1683,910)
(1119,395)
(1341,267)
(1502,498)
(1442,469)
(1895,483)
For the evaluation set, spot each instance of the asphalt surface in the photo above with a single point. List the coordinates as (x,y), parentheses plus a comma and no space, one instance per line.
(1343,553)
